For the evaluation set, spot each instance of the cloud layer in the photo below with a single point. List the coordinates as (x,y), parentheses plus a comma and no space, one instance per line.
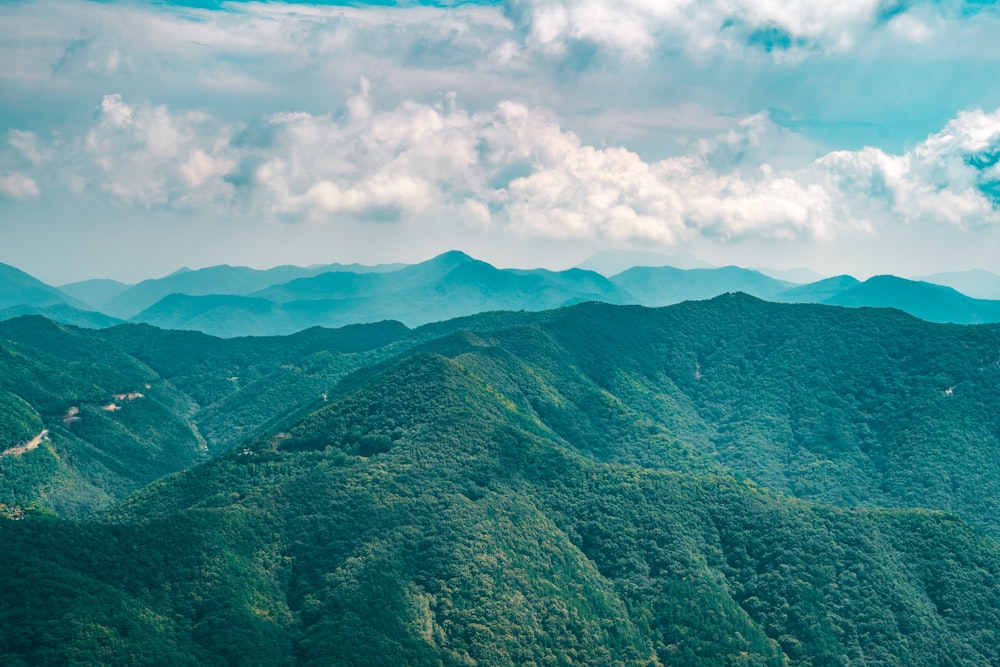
(511,167)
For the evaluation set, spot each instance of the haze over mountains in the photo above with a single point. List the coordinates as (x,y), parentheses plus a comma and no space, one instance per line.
(234,301)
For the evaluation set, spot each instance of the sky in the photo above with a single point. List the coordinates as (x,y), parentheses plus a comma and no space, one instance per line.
(860,136)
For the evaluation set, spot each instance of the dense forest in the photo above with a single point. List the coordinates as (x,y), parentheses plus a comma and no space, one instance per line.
(729,482)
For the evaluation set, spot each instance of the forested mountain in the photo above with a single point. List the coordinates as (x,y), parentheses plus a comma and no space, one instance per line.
(729,482)
(122,407)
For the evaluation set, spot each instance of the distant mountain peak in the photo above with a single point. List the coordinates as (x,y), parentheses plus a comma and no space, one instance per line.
(453,256)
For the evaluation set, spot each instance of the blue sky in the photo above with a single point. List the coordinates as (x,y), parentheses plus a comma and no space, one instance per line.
(860,136)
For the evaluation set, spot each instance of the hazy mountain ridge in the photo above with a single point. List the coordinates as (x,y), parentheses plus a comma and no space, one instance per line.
(64,314)
(17,288)
(664,286)
(96,293)
(976,283)
(935,303)
(238,301)
(218,280)
(610,262)
(819,291)
(455,285)
(516,487)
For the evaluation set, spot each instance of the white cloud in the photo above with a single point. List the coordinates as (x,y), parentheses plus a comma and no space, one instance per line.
(952,177)
(515,168)
(788,29)
(149,156)
(19,186)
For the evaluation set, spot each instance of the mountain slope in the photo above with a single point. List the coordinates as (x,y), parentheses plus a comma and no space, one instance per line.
(123,407)
(110,425)
(440,511)
(836,406)
(839,406)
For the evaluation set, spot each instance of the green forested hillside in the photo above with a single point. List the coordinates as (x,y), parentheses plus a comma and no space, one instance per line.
(112,425)
(833,405)
(728,482)
(124,406)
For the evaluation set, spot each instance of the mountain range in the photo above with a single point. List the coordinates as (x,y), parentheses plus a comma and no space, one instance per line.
(722,482)
(236,301)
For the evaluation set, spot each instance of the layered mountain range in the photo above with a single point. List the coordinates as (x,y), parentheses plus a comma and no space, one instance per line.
(722,482)
(236,301)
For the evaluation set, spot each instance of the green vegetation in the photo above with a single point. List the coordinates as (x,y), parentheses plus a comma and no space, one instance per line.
(729,482)
(125,406)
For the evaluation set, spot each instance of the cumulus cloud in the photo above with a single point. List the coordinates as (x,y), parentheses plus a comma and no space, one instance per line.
(149,156)
(513,167)
(952,177)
